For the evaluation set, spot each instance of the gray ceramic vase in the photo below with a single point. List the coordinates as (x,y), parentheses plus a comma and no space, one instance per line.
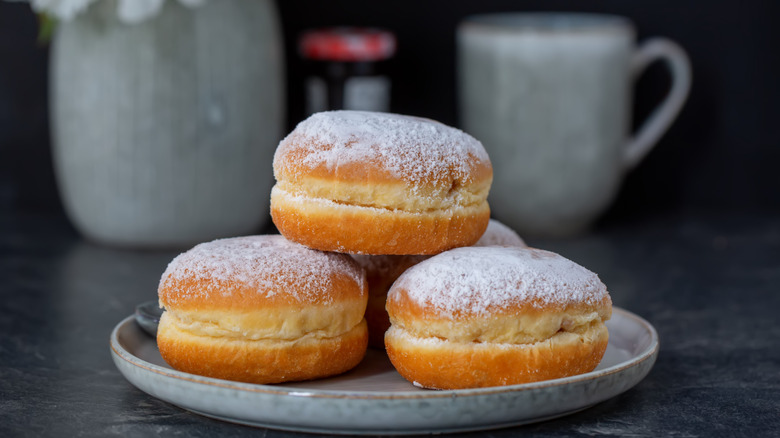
(164,131)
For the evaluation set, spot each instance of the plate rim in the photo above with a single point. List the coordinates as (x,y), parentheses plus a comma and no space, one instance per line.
(121,353)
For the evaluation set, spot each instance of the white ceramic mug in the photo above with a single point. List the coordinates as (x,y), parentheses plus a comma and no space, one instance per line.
(549,95)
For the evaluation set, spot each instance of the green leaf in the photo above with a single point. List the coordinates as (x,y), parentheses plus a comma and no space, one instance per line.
(46,25)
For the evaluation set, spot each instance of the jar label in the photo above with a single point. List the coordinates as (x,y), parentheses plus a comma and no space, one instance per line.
(362,93)
(367,93)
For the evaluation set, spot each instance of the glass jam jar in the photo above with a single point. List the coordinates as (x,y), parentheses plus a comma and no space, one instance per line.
(347,68)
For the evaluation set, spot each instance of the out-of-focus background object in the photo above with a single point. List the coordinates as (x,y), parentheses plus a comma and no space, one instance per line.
(549,95)
(719,155)
(163,131)
(347,68)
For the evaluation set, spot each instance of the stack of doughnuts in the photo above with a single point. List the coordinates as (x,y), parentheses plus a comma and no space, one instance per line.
(386,239)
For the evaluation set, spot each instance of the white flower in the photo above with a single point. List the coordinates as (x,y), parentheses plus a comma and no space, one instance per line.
(129,11)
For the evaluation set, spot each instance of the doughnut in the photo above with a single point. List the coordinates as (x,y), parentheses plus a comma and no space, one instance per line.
(492,316)
(383,270)
(498,234)
(262,309)
(377,183)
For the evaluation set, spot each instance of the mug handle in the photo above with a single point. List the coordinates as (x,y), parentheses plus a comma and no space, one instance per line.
(658,49)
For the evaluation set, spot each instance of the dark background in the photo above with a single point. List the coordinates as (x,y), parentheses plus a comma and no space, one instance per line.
(721,154)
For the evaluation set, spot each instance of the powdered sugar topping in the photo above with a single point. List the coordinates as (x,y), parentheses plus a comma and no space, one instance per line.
(262,263)
(479,280)
(409,148)
(385,264)
(499,234)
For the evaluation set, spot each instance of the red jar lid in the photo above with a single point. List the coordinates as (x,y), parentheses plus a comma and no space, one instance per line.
(347,44)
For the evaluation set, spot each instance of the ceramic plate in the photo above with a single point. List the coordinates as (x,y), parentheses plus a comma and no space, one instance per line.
(374,398)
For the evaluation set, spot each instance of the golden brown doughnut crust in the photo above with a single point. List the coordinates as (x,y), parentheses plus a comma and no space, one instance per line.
(476,317)
(262,309)
(329,226)
(442,364)
(260,361)
(376,183)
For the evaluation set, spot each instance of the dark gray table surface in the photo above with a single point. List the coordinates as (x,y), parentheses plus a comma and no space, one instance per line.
(709,283)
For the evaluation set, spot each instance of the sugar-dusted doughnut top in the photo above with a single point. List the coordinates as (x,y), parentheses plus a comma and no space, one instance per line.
(498,234)
(257,272)
(369,146)
(480,281)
